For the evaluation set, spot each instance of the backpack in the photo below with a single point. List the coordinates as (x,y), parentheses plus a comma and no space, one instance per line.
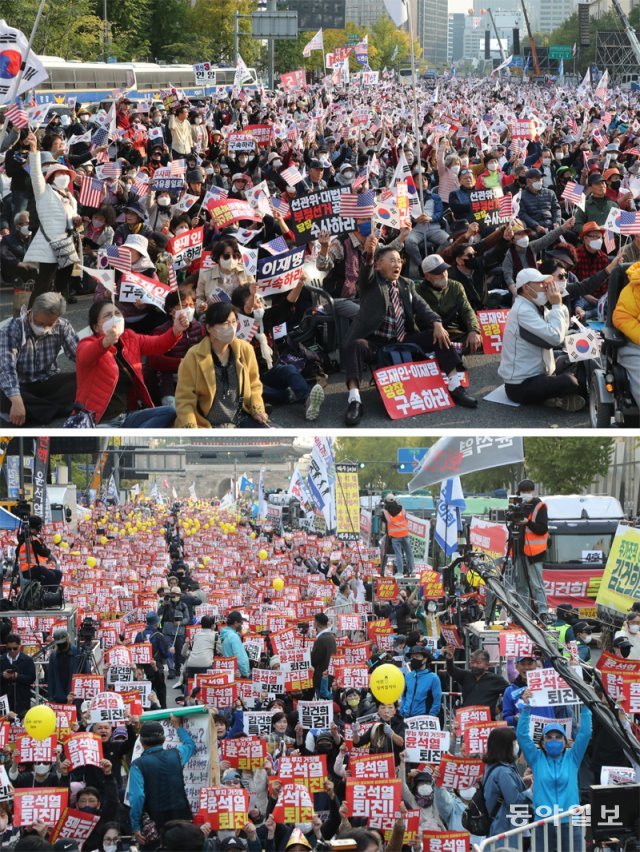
(477,819)
(30,596)
(80,418)
(399,353)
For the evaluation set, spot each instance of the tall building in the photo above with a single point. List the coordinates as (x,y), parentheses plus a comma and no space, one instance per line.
(456,32)
(433,30)
(513,7)
(364,13)
(554,12)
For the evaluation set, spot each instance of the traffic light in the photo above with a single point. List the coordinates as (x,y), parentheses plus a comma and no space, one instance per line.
(362,465)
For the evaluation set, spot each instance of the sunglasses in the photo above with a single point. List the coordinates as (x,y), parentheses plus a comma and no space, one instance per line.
(13,647)
(562,276)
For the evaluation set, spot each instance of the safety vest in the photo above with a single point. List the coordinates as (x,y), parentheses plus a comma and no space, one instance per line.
(397,525)
(535,543)
(27,557)
(561,633)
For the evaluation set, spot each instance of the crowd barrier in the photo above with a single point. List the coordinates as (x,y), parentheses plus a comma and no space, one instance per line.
(554,833)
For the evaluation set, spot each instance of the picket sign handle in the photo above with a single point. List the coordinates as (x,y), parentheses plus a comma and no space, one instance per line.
(157,715)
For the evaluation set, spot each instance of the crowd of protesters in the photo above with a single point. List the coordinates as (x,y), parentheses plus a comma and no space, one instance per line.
(222,600)
(514,193)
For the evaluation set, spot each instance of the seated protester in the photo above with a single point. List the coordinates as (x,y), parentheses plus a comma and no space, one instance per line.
(459,200)
(472,262)
(427,231)
(523,252)
(99,232)
(527,364)
(158,158)
(33,391)
(219,380)
(135,223)
(314,182)
(160,211)
(13,247)
(392,312)
(449,166)
(109,365)
(519,182)
(239,182)
(574,291)
(539,208)
(626,318)
(447,298)
(225,273)
(630,252)
(597,206)
(282,383)
(590,259)
(160,371)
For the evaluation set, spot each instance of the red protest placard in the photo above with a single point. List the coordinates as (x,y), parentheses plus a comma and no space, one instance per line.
(299,679)
(451,636)
(446,841)
(132,702)
(4,733)
(631,696)
(86,686)
(492,325)
(135,286)
(244,752)
(491,538)
(75,824)
(349,621)
(219,696)
(374,800)
(230,210)
(141,653)
(412,827)
(514,643)
(294,804)
(352,677)
(120,655)
(380,627)
(358,652)
(84,750)
(456,772)
(224,808)
(44,805)
(372,767)
(29,750)
(431,582)
(308,770)
(386,589)
(414,388)
(262,133)
(475,714)
(476,736)
(187,246)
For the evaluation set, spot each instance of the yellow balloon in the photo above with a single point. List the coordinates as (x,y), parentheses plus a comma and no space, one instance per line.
(103,539)
(262,554)
(252,535)
(64,545)
(278,584)
(91,561)
(40,722)
(387,683)
(57,538)
(206,559)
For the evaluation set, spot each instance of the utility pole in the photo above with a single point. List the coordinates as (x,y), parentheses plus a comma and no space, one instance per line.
(272,6)
(106,30)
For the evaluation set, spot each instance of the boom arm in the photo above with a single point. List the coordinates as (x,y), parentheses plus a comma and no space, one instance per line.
(633,38)
(532,43)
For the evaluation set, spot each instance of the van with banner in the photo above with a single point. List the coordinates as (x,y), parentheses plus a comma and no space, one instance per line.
(620,585)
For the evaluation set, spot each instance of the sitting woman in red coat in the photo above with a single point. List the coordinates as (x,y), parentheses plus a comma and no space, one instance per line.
(109,370)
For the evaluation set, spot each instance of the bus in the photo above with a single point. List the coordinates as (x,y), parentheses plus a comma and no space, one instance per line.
(92,82)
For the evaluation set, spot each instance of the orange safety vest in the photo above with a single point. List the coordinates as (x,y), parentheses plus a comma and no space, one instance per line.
(398,525)
(535,543)
(24,552)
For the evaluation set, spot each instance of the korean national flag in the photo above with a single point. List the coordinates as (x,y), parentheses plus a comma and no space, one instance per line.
(448,523)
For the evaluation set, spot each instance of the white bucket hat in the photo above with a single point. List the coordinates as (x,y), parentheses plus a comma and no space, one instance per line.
(139,244)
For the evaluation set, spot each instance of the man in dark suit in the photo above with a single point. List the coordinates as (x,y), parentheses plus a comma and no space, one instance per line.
(323,649)
(17,675)
(392,312)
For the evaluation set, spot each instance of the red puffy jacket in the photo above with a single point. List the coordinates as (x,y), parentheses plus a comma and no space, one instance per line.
(97,370)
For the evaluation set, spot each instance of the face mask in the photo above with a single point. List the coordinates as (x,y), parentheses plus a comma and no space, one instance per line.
(431,606)
(84,119)
(516,748)
(634,628)
(615,184)
(88,810)
(464,161)
(415,665)
(546,161)
(476,671)
(181,231)
(455,170)
(527,498)
(536,185)
(625,652)
(348,175)
(115,323)
(559,155)
(466,793)
(353,702)
(613,157)
(208,172)
(110,847)
(61,181)
(40,330)
(471,262)
(42,768)
(554,748)
(365,228)
(440,283)
(492,166)
(164,201)
(587,638)
(424,796)
(540,299)
(225,334)
(276,164)
(258,313)
(522,242)
(97,223)
(189,313)
(198,120)
(24,230)
(595,245)
(227,264)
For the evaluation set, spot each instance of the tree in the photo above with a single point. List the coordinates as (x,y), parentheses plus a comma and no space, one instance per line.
(167,28)
(379,456)
(129,22)
(568,465)
(68,28)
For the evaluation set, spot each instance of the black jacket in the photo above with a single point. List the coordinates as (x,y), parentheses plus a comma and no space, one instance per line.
(484,691)
(18,689)
(323,649)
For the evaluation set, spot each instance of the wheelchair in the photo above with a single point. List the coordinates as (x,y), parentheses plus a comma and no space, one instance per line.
(609,389)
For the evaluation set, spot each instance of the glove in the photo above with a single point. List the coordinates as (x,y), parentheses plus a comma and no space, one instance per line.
(388,730)
(356,729)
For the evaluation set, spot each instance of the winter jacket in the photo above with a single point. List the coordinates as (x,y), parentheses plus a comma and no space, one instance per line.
(54,211)
(203,649)
(539,208)
(483,691)
(232,647)
(595,210)
(555,779)
(97,368)
(451,304)
(59,680)
(522,359)
(509,704)
(503,784)
(626,315)
(18,690)
(170,362)
(422,694)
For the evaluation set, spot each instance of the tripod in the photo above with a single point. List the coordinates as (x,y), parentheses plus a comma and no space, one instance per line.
(514,569)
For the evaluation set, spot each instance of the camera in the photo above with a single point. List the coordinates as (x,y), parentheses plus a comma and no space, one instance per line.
(517,510)
(87,630)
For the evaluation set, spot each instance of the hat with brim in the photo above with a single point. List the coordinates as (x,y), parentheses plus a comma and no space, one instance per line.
(554,727)
(297,838)
(239,176)
(135,207)
(518,227)
(621,642)
(591,226)
(562,255)
(433,264)
(59,168)
(529,276)
(138,243)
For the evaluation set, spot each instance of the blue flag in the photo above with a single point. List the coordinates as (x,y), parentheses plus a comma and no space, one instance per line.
(448,523)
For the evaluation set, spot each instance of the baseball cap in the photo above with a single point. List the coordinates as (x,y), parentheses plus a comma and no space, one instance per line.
(61,635)
(418,649)
(621,642)
(526,485)
(594,178)
(232,843)
(611,173)
(533,173)
(234,617)
(433,264)
(554,726)
(581,626)
(529,276)
(316,164)
(151,731)
(525,657)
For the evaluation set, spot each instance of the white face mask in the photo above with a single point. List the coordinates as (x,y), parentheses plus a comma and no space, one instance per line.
(595,245)
(536,185)
(516,748)
(276,163)
(540,299)
(189,313)
(97,223)
(40,330)
(466,793)
(587,638)
(634,628)
(224,334)
(464,161)
(61,181)
(492,166)
(208,171)
(24,230)
(227,264)
(348,174)
(522,242)
(164,201)
(546,161)
(116,323)
(527,497)
(41,768)
(198,120)
(455,170)
(258,313)
(110,847)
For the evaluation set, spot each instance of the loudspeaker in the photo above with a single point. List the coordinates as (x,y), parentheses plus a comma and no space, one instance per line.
(583,24)
(516,42)
(487,45)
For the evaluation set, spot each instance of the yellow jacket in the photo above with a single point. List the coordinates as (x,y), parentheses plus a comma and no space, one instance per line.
(626,316)
(197,383)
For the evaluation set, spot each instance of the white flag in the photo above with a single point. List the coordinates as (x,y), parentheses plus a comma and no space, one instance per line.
(192,491)
(601,88)
(397,11)
(316,43)
(242,73)
(14,50)
(106,277)
(451,504)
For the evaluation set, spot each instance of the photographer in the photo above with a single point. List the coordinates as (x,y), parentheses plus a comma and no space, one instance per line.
(64,662)
(174,615)
(532,546)
(31,550)
(17,675)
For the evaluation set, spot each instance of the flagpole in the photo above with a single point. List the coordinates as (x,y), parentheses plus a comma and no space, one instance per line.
(415,104)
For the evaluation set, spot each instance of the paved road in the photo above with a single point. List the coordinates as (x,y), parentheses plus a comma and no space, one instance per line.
(483,377)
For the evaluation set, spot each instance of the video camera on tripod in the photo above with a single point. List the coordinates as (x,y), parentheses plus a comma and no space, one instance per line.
(517,510)
(29,593)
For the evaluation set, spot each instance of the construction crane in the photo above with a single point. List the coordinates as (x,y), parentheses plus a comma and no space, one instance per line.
(532,43)
(495,30)
(633,38)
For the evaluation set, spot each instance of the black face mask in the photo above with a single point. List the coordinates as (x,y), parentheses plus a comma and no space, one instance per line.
(471,263)
(625,651)
(415,665)
(615,184)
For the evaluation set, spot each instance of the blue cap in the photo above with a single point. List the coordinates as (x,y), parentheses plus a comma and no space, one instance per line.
(554,726)
(525,657)
(152,618)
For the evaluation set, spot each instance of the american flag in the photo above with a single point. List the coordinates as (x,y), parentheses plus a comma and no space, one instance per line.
(573,125)
(600,138)
(119,258)
(632,152)
(17,116)
(111,170)
(90,192)
(360,206)
(628,223)
(363,177)
(292,175)
(606,118)
(178,168)
(280,207)
(276,246)
(609,241)
(505,206)
(573,192)
(100,137)
(173,281)
(140,188)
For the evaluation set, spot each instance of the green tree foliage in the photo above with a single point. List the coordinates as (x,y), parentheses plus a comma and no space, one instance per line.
(567,465)
(379,456)
(68,28)
(568,33)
